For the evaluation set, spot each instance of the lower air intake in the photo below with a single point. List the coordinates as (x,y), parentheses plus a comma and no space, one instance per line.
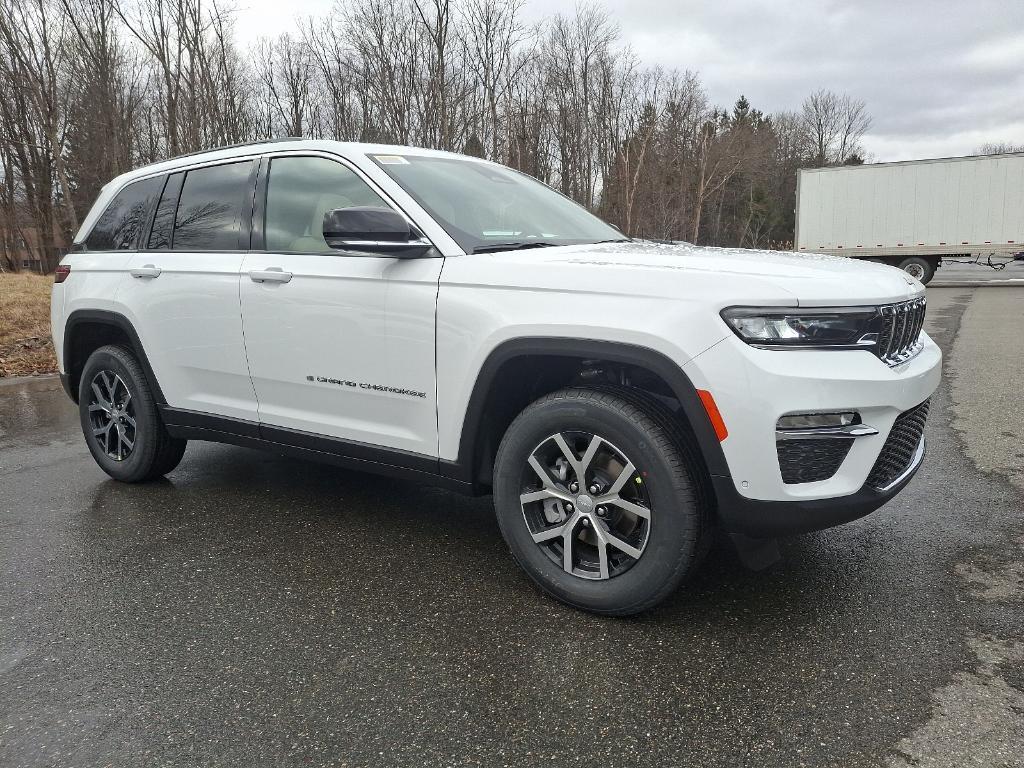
(811,460)
(900,447)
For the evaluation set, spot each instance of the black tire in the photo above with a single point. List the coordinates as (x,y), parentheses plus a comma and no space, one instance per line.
(915,266)
(152,452)
(642,430)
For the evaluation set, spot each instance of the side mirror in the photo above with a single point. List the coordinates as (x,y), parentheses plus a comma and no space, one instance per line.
(373,231)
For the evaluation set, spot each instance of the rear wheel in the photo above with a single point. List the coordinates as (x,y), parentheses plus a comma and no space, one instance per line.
(120,420)
(918,268)
(598,500)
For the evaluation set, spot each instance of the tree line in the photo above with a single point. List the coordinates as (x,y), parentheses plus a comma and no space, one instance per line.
(92,88)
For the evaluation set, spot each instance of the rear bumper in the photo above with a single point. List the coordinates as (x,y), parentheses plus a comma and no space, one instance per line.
(768,519)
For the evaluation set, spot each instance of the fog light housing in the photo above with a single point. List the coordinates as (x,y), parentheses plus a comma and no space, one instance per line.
(818,420)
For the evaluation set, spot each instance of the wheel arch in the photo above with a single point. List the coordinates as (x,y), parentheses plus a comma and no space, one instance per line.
(509,367)
(86,330)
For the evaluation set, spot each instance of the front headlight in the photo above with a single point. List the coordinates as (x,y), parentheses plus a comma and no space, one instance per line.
(781,327)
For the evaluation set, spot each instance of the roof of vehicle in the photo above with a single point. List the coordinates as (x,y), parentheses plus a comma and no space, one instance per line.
(248,149)
(288,143)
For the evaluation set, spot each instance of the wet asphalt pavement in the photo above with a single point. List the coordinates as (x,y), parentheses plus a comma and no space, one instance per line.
(252,610)
(1002,269)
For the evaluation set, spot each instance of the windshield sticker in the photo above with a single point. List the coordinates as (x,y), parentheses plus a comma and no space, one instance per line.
(390,159)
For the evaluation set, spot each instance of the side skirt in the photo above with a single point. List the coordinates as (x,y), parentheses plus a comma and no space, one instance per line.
(192,425)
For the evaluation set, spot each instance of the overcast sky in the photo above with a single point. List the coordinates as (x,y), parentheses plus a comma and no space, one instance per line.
(940,78)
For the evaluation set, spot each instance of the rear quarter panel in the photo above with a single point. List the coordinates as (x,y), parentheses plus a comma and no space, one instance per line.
(92,284)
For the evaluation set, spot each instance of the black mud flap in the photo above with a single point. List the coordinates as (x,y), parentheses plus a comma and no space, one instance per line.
(756,554)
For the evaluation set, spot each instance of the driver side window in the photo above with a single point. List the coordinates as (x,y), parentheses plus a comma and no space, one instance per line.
(300,190)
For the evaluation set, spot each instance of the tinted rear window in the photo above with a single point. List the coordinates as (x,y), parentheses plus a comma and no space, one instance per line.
(163,219)
(210,208)
(119,226)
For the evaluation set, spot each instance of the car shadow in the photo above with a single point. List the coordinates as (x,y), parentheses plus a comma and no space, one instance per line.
(424,547)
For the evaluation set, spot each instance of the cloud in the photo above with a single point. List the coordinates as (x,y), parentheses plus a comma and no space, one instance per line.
(938,76)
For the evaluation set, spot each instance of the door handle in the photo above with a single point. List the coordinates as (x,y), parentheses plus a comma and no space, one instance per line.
(270,275)
(148,270)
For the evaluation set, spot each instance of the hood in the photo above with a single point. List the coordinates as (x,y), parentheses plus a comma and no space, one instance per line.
(739,275)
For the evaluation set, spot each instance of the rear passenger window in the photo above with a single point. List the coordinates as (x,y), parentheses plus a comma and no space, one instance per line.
(300,191)
(119,226)
(163,221)
(210,208)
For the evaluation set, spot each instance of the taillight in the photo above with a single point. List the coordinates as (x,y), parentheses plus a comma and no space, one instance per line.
(60,274)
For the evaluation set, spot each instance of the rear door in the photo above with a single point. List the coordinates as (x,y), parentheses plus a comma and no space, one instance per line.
(182,294)
(340,344)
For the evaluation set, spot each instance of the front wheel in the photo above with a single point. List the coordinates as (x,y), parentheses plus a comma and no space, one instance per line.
(120,420)
(597,498)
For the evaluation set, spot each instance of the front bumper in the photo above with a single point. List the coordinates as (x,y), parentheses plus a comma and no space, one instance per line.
(754,387)
(768,519)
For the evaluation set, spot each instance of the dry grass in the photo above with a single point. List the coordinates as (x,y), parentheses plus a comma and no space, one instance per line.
(25,346)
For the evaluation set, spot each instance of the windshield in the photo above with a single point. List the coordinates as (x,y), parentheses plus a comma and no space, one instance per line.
(485,207)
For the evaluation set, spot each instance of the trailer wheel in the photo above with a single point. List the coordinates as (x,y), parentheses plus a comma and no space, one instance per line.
(919,268)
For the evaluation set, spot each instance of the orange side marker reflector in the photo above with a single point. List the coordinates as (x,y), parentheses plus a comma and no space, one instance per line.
(713,413)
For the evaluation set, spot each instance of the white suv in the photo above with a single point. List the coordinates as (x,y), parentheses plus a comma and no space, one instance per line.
(443,318)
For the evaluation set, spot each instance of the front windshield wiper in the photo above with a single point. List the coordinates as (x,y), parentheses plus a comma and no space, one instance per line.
(522,246)
(496,247)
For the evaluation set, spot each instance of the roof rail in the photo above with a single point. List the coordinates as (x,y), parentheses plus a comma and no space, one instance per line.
(230,146)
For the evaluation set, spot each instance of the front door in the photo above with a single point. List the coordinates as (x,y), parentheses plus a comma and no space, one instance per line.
(339,344)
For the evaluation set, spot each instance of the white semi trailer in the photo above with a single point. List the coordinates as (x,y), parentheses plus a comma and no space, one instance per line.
(913,214)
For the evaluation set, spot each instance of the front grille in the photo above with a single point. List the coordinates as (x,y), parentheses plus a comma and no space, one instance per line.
(899,338)
(900,446)
(811,459)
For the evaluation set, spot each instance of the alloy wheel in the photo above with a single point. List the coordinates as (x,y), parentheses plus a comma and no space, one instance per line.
(585,504)
(112,415)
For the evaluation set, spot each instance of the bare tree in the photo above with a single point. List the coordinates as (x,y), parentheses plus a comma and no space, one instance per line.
(528,121)
(285,69)
(493,35)
(345,112)
(384,37)
(34,35)
(834,124)
(441,89)
(1001,148)
(108,90)
(157,25)
(723,151)
(198,92)
(577,53)
(90,88)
